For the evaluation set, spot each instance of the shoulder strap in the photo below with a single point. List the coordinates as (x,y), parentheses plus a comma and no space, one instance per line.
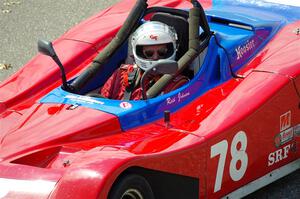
(132,78)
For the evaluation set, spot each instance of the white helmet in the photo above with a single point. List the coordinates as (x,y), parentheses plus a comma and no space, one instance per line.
(153,33)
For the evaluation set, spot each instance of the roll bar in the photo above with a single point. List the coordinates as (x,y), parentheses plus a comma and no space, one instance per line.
(129,26)
(197,18)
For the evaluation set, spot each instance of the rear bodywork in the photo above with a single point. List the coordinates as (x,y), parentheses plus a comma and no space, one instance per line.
(234,127)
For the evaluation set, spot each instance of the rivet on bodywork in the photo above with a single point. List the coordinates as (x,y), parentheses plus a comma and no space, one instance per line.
(66,163)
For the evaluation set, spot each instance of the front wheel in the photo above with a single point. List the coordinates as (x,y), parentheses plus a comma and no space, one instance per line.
(131,187)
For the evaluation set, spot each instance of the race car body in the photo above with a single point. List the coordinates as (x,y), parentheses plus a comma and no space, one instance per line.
(232,129)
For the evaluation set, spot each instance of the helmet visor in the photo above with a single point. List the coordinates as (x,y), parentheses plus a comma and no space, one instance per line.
(154,52)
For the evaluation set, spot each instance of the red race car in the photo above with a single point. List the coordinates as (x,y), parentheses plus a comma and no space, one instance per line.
(233,128)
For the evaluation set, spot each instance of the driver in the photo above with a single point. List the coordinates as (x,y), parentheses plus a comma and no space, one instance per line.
(151,42)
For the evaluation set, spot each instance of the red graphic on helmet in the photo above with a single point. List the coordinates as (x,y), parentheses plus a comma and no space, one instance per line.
(154,37)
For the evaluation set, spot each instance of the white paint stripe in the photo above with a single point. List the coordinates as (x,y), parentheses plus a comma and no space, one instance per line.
(264,180)
(25,186)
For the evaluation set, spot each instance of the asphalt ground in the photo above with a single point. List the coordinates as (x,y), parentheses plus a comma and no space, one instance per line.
(23,22)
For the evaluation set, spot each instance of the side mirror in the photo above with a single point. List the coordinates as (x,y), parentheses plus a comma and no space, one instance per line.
(46,48)
(162,67)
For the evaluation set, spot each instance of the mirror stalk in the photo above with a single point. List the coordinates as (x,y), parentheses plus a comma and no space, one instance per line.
(65,85)
(46,48)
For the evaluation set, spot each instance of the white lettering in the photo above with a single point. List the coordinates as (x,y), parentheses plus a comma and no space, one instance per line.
(286,150)
(271,159)
(241,50)
(277,155)
(182,96)
(171,100)
(83,99)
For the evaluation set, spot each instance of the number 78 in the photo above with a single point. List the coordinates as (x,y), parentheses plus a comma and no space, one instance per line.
(238,154)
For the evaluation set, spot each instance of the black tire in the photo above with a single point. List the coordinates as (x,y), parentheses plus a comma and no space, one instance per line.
(131,187)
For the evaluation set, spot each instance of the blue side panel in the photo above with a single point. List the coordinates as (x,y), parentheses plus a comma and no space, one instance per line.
(141,112)
(242,45)
(244,28)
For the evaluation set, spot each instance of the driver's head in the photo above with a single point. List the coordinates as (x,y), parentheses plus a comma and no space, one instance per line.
(153,41)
